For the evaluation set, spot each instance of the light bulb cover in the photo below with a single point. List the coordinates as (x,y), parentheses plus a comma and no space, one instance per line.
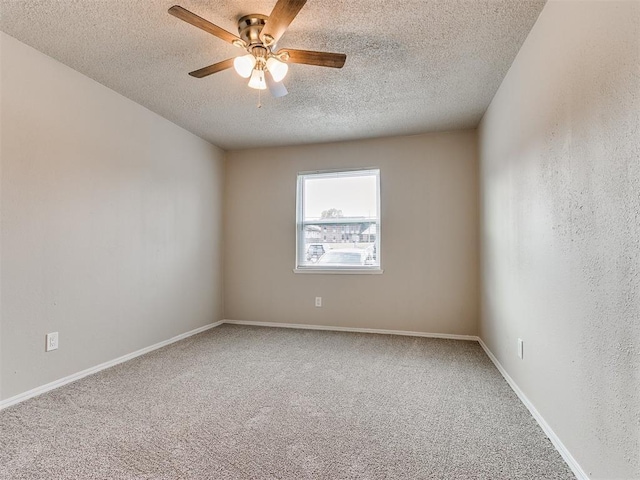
(244,65)
(257,80)
(277,69)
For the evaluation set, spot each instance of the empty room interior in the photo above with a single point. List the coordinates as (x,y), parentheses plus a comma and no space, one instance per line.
(290,239)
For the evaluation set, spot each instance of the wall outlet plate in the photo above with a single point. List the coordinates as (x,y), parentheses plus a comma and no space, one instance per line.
(520,348)
(52,341)
(318,301)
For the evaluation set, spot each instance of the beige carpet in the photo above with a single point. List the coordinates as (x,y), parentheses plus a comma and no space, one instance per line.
(246,402)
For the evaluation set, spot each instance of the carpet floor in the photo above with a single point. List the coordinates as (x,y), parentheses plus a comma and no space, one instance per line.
(240,402)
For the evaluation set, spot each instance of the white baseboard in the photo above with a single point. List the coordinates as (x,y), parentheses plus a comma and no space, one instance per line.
(354,330)
(562,450)
(21,397)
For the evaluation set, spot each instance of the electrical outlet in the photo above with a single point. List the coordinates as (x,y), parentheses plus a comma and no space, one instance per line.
(318,301)
(520,348)
(52,342)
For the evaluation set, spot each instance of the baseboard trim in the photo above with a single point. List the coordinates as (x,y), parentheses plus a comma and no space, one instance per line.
(557,443)
(301,326)
(21,397)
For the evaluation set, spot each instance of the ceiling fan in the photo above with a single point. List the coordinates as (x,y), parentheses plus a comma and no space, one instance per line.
(263,65)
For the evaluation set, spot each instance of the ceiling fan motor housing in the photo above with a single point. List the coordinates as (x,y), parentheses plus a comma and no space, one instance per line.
(249,28)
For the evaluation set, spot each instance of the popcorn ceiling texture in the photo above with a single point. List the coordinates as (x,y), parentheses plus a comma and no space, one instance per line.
(264,403)
(412,66)
(560,161)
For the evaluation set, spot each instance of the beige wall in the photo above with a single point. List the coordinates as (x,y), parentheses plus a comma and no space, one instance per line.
(560,181)
(429,237)
(111,223)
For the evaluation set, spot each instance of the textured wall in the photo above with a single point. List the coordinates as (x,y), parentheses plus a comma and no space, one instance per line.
(560,183)
(111,223)
(429,247)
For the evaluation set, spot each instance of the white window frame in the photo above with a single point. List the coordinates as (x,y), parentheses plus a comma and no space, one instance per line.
(299,267)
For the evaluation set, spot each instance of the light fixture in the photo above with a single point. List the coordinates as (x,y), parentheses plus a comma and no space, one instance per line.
(277,68)
(257,80)
(244,65)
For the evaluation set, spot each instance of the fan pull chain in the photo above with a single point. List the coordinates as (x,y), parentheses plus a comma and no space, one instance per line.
(259,98)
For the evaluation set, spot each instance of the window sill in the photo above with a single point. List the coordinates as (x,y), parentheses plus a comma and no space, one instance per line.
(339,271)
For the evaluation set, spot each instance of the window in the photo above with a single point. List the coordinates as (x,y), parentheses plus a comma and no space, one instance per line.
(338,222)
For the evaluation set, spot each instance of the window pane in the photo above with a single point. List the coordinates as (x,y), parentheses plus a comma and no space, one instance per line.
(330,196)
(340,244)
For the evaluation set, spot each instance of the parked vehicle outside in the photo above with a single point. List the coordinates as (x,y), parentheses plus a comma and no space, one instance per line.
(346,257)
(315,251)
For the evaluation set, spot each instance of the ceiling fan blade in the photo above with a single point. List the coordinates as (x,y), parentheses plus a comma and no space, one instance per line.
(211,69)
(195,20)
(281,17)
(277,89)
(321,59)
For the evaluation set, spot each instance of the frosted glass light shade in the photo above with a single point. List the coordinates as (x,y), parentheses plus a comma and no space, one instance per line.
(257,80)
(244,65)
(277,69)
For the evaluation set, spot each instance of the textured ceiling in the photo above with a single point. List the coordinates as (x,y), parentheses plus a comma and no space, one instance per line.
(412,66)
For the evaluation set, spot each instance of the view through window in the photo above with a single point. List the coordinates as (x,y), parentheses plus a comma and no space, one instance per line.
(338,220)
